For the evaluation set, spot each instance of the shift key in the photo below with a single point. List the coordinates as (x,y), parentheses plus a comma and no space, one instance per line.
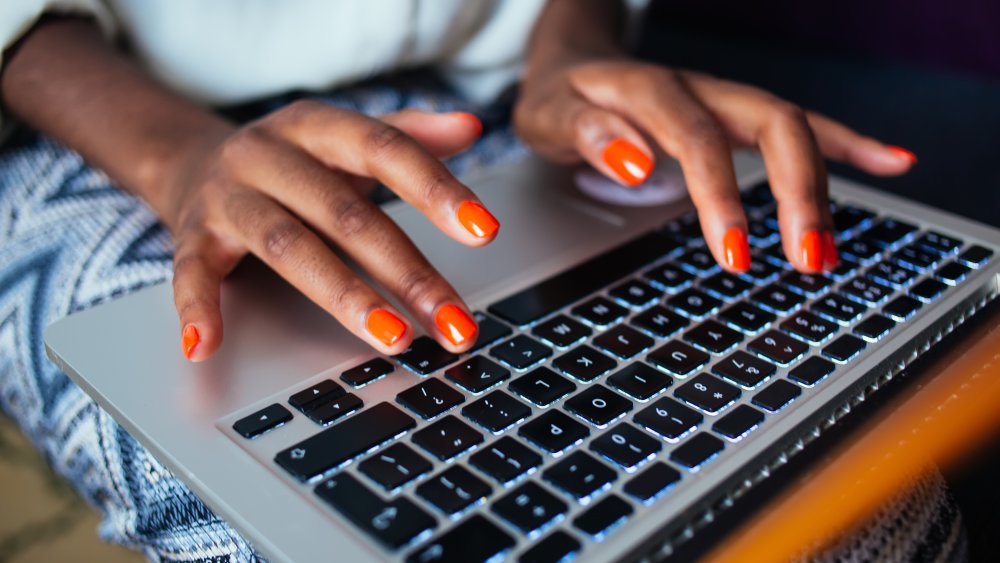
(332,447)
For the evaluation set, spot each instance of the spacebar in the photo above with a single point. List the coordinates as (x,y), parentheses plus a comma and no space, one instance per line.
(356,435)
(558,291)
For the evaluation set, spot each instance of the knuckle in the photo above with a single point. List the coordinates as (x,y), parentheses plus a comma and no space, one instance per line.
(384,139)
(418,284)
(347,293)
(279,238)
(435,187)
(351,216)
(297,111)
(787,114)
(245,143)
(704,134)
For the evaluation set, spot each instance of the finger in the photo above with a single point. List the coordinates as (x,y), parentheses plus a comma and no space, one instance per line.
(200,264)
(842,144)
(441,134)
(371,148)
(299,256)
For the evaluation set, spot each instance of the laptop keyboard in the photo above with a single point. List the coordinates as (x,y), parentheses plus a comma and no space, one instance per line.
(636,368)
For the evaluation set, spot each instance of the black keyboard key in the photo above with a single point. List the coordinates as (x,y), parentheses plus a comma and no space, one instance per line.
(367,372)
(677,357)
(626,445)
(424,356)
(745,369)
(604,516)
(639,381)
(497,411)
(557,546)
(952,273)
(598,405)
(395,466)
(553,431)
(454,490)
(562,331)
(746,317)
(430,398)
(975,256)
(311,397)
(529,507)
(698,260)
(694,303)
(576,283)
(668,418)
(725,285)
(600,312)
(474,540)
(697,450)
(839,309)
(761,270)
(669,277)
(860,249)
(775,396)
(659,321)
(777,299)
(889,231)
(477,374)
(713,336)
(267,418)
(761,233)
(738,422)
(624,342)
(844,348)
(917,257)
(775,254)
(778,347)
(891,273)
(490,330)
(344,441)
(584,363)
(869,292)
(758,197)
(392,523)
(542,386)
(848,217)
(708,393)
(874,327)
(901,308)
(521,352)
(940,243)
(447,438)
(811,371)
(928,290)
(807,284)
(809,327)
(652,482)
(336,409)
(635,293)
(580,475)
(505,460)
(687,228)
(844,269)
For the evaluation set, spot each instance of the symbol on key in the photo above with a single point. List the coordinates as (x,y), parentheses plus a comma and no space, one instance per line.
(555,430)
(263,417)
(431,553)
(298,453)
(384,519)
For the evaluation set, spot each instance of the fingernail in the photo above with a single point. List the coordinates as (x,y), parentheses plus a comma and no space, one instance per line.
(734,242)
(189,340)
(455,324)
(812,250)
(629,163)
(830,257)
(901,152)
(477,220)
(470,118)
(385,326)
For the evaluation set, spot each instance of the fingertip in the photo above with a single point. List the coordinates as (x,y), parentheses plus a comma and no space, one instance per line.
(630,164)
(736,250)
(456,326)
(470,120)
(477,221)
(199,341)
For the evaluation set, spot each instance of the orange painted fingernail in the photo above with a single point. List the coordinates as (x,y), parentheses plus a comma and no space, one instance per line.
(189,340)
(830,257)
(812,250)
(385,326)
(737,250)
(900,151)
(470,118)
(455,324)
(629,163)
(477,220)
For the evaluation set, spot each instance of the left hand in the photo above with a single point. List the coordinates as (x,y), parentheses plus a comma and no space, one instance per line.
(609,112)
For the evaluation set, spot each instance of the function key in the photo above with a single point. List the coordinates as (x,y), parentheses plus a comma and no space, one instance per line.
(917,257)
(430,398)
(497,411)
(425,356)
(777,299)
(635,293)
(809,327)
(811,371)
(600,312)
(505,460)
(869,292)
(326,413)
(844,348)
(678,358)
(626,445)
(267,418)
(928,290)
(891,273)
(553,431)
(477,374)
(652,482)
(669,277)
(393,523)
(668,418)
(584,363)
(542,386)
(558,546)
(808,284)
(889,231)
(659,321)
(475,539)
(860,249)
(874,327)
(708,393)
(521,352)
(580,475)
(447,438)
(778,346)
(395,466)
(694,303)
(624,342)
(697,450)
(529,507)
(698,260)
(713,336)
(744,369)
(367,372)
(837,308)
(562,331)
(738,422)
(901,308)
(848,217)
(975,256)
(775,396)
(309,398)
(746,317)
(952,273)
(640,381)
(761,270)
(490,330)
(604,516)
(598,405)
(725,285)
(454,489)
(940,243)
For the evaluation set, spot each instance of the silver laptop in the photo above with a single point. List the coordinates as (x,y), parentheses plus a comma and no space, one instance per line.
(624,391)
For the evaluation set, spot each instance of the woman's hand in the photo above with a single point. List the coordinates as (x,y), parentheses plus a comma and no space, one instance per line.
(282,187)
(613,112)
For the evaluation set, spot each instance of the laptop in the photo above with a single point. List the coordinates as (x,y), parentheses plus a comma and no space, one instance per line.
(623,393)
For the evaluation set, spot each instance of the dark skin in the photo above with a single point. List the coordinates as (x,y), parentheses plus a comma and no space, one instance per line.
(284,186)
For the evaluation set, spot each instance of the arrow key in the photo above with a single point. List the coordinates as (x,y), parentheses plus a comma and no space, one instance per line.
(308,399)
(268,418)
(336,409)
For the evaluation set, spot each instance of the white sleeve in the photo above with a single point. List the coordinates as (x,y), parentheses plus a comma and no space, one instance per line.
(18,16)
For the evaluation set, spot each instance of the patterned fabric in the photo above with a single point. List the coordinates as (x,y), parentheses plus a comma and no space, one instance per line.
(70,240)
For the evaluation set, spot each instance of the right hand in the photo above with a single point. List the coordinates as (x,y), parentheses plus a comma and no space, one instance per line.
(282,186)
